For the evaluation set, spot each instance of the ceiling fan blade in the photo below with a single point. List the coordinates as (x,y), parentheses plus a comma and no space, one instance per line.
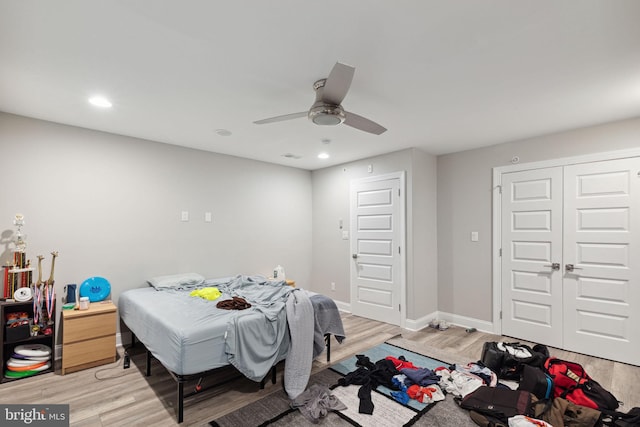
(359,122)
(282,118)
(337,84)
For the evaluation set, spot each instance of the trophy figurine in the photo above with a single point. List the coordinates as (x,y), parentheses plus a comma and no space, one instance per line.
(18,221)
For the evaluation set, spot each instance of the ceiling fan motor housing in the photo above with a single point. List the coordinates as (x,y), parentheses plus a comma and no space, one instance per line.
(324,114)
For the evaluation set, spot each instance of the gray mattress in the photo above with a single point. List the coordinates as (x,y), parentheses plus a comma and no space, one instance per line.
(187,334)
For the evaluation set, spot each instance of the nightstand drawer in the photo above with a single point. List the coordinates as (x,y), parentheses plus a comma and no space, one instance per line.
(102,350)
(88,327)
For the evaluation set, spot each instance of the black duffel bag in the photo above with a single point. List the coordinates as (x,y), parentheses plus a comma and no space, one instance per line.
(507,359)
(497,404)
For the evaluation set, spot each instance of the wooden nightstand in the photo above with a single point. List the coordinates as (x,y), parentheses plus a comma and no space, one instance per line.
(88,337)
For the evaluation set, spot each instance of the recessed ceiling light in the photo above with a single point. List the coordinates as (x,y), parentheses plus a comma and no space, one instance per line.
(291,156)
(223,132)
(323,156)
(100,101)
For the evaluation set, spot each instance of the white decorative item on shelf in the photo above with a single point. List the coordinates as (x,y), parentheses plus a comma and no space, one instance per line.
(22,294)
(278,273)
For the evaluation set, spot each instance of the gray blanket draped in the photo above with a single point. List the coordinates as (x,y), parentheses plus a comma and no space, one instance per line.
(299,359)
(327,321)
(256,339)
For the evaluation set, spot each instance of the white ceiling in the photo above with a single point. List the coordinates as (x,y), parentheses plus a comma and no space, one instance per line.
(443,76)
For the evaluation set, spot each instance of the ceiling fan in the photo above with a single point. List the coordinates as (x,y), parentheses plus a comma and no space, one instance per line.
(326,110)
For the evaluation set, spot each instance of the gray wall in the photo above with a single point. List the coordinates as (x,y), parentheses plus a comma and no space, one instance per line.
(465,205)
(331,254)
(422,242)
(111,206)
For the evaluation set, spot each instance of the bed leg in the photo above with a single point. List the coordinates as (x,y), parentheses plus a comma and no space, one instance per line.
(327,339)
(273,378)
(148,368)
(180,401)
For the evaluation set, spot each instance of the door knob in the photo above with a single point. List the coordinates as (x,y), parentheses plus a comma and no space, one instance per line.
(571,267)
(554,266)
(354,256)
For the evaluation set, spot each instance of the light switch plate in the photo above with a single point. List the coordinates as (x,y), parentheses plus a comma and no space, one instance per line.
(345,235)
(184,216)
(474,236)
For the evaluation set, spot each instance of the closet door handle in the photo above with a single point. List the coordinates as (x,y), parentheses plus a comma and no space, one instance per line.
(571,267)
(554,266)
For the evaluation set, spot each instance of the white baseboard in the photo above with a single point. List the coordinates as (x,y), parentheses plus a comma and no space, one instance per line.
(453,319)
(343,306)
(421,323)
(467,322)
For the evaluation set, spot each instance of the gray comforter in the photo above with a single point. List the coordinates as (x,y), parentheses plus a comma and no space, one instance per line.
(253,339)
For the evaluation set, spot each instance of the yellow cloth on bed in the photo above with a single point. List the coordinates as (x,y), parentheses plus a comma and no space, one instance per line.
(207,293)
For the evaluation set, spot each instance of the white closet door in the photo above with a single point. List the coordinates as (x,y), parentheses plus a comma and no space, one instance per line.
(531,244)
(601,239)
(375,243)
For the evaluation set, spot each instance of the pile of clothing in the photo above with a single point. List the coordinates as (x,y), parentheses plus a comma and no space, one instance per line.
(535,389)
(522,387)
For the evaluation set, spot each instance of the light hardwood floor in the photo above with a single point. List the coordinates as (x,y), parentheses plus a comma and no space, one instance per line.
(112,396)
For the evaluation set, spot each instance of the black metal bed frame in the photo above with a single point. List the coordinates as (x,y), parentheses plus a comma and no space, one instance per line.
(182,379)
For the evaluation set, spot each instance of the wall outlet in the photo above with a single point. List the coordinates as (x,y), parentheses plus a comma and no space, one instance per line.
(333,286)
(127,361)
(184,216)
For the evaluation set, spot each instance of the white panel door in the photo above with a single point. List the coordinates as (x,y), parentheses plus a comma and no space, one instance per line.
(601,239)
(531,244)
(375,246)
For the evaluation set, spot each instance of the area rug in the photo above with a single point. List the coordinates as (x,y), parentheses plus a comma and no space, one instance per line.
(274,410)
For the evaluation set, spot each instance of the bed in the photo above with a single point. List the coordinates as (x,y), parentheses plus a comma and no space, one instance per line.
(192,338)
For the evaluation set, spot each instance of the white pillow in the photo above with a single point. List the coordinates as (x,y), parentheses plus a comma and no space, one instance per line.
(176,280)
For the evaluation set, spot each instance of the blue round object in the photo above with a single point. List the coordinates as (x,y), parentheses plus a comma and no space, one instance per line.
(96,288)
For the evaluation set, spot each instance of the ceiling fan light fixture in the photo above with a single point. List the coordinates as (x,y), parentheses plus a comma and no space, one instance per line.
(327,115)
(326,120)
